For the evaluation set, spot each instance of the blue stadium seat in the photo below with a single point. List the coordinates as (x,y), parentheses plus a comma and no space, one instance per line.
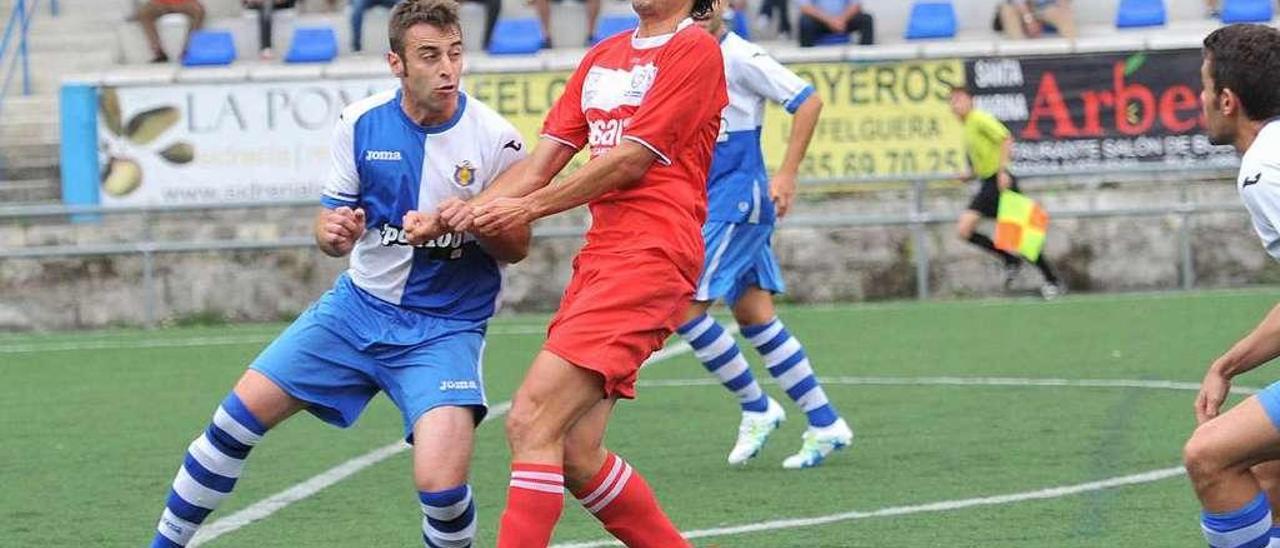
(516,37)
(312,45)
(831,40)
(610,25)
(210,48)
(1140,13)
(931,20)
(1247,11)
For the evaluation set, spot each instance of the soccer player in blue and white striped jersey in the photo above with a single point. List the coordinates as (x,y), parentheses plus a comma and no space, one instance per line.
(740,267)
(409,316)
(1233,458)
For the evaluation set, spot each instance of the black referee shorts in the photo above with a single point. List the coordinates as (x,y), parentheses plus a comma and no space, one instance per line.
(987,200)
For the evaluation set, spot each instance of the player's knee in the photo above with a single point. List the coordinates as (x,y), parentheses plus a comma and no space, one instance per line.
(523,430)
(1203,459)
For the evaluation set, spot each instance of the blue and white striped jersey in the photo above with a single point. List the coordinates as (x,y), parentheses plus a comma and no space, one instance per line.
(387,164)
(1259,185)
(738,190)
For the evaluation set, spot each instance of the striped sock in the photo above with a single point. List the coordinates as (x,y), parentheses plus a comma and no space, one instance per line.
(1248,527)
(787,362)
(1275,537)
(624,503)
(209,472)
(718,352)
(448,517)
(535,499)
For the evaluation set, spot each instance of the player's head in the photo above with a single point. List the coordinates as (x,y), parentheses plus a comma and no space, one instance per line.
(1241,77)
(426,51)
(713,19)
(961,101)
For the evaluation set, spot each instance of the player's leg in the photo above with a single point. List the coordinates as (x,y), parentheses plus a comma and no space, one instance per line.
(731,251)
(1062,16)
(216,458)
(443,439)
(593,15)
(1268,475)
(788,363)
(552,397)
(611,489)
(1219,457)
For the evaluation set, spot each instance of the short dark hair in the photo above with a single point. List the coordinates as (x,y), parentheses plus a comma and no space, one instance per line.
(701,9)
(442,14)
(961,88)
(1246,60)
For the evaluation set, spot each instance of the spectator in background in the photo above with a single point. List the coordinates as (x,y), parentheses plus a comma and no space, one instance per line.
(1020,19)
(543,7)
(491,10)
(823,17)
(152,10)
(1212,9)
(767,9)
(265,13)
(358,7)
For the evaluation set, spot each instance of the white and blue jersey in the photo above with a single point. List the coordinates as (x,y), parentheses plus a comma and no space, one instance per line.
(738,187)
(388,165)
(740,214)
(1259,185)
(408,321)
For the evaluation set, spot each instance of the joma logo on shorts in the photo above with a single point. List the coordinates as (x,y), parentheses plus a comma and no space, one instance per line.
(446,386)
(383,155)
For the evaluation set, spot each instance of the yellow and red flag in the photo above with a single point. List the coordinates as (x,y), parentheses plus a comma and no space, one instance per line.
(1021,225)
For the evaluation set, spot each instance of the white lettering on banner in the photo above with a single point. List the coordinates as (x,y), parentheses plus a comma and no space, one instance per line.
(997,73)
(197,143)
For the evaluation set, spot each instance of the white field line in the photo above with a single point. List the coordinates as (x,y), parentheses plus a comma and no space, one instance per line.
(262,509)
(191,342)
(941,506)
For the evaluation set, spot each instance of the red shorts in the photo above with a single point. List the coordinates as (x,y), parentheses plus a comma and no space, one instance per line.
(617,310)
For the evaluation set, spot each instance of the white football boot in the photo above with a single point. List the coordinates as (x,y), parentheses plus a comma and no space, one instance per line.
(818,443)
(754,430)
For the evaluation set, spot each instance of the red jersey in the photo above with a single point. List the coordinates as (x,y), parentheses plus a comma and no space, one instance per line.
(666,93)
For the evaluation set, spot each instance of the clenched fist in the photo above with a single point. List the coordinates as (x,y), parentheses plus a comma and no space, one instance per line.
(340,229)
(421,227)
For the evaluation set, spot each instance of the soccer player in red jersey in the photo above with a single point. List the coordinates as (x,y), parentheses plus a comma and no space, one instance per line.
(648,104)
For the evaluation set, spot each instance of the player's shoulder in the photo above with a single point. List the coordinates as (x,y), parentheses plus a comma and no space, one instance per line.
(484,116)
(1261,163)
(738,49)
(694,36)
(353,112)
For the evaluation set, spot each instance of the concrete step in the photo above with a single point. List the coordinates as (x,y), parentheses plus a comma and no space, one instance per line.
(17,169)
(22,191)
(19,132)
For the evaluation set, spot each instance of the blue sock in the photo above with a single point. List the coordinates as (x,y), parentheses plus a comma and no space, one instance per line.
(209,472)
(1275,537)
(718,352)
(787,362)
(448,517)
(1248,527)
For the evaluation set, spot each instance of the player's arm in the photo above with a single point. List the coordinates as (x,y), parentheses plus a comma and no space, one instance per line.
(340,223)
(510,246)
(531,174)
(782,189)
(1258,347)
(766,77)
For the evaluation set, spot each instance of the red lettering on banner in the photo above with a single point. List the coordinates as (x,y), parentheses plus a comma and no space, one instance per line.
(1177,100)
(1093,103)
(1049,102)
(1124,93)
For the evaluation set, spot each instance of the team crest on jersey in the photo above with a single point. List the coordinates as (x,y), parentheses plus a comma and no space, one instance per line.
(642,78)
(464,174)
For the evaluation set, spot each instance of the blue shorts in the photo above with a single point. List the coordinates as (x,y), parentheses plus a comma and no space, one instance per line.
(1269,397)
(350,344)
(739,256)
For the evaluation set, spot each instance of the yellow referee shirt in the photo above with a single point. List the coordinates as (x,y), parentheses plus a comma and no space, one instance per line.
(984,135)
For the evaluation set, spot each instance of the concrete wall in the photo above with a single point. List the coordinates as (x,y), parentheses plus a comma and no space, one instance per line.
(822,264)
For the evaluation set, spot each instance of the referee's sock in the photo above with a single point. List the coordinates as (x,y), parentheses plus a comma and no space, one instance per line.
(981,240)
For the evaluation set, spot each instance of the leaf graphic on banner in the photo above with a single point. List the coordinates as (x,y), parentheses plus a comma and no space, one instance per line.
(179,153)
(1134,62)
(148,125)
(123,176)
(1131,113)
(109,106)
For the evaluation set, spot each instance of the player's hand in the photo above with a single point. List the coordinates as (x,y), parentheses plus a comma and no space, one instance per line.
(456,215)
(1213,391)
(341,228)
(782,190)
(421,227)
(1004,180)
(501,215)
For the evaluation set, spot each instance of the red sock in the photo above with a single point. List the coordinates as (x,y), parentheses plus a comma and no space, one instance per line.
(619,497)
(535,499)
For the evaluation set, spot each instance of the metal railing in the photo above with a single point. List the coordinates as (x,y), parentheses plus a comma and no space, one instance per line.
(917,218)
(16,31)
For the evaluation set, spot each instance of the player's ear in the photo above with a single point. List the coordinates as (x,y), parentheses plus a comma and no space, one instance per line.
(396,63)
(1228,102)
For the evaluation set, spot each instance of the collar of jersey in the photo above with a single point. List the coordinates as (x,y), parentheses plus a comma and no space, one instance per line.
(438,128)
(660,40)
